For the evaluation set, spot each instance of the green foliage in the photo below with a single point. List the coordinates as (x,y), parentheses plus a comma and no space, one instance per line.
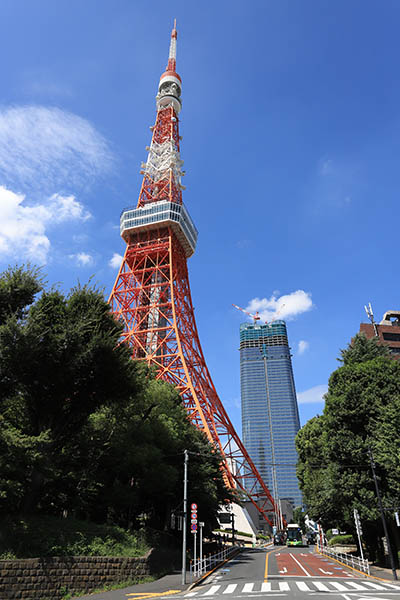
(50,536)
(299,518)
(18,288)
(84,430)
(362,349)
(341,539)
(362,409)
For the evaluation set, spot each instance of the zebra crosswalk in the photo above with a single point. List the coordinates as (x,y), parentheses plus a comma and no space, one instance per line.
(310,585)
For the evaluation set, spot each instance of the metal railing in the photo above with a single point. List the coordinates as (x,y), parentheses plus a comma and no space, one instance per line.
(361,564)
(199,566)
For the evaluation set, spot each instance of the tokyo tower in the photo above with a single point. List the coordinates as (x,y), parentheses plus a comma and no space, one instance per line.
(151,295)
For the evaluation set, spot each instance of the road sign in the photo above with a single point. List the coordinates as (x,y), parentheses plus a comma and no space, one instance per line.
(193,520)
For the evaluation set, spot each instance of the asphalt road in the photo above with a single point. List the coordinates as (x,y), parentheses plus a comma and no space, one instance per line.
(297,573)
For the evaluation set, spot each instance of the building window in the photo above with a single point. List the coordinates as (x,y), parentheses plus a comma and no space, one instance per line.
(392,337)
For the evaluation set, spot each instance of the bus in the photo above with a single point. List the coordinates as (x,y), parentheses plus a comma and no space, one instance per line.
(294,535)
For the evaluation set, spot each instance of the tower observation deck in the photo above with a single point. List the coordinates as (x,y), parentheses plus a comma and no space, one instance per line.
(151,295)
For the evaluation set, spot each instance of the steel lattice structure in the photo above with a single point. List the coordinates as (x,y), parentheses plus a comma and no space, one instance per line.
(151,295)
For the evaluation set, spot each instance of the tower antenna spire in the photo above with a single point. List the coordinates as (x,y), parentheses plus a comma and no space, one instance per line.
(171,66)
(151,295)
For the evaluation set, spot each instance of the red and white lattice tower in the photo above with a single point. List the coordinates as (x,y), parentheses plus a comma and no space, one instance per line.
(151,295)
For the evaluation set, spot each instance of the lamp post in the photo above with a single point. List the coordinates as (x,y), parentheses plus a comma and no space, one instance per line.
(185,481)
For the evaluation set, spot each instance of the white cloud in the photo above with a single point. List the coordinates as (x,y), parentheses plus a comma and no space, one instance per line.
(82,259)
(24,227)
(303,346)
(48,149)
(285,307)
(313,395)
(115,261)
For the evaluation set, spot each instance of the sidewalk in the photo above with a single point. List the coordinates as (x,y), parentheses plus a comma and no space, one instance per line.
(382,573)
(164,586)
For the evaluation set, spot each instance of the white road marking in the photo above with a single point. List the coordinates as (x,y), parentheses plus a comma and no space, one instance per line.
(376,586)
(321,586)
(284,570)
(303,587)
(230,589)
(284,586)
(353,590)
(357,586)
(325,572)
(212,590)
(300,565)
(339,586)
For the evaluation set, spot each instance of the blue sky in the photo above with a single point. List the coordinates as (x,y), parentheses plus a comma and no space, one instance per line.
(291,140)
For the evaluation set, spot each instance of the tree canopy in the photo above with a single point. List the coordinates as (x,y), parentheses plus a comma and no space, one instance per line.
(361,412)
(84,430)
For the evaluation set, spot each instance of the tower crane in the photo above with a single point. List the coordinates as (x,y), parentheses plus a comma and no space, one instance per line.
(256,316)
(276,315)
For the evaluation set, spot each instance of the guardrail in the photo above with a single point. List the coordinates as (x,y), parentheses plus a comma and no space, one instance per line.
(356,562)
(199,566)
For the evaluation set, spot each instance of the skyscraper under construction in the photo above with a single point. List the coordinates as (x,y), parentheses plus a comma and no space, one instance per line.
(270,417)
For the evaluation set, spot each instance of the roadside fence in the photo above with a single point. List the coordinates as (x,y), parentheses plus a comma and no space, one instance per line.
(361,564)
(200,566)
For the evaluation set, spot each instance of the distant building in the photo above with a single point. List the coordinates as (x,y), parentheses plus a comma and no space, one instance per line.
(270,417)
(388,331)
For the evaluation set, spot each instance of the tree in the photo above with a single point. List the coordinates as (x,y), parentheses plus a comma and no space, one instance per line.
(83,428)
(361,411)
(59,362)
(142,468)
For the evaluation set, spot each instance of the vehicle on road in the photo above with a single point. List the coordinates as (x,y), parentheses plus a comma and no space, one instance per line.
(279,538)
(294,535)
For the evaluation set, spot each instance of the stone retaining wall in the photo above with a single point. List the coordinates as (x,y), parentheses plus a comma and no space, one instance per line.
(51,578)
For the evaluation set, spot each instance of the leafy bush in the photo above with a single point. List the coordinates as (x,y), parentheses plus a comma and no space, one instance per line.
(50,536)
(341,539)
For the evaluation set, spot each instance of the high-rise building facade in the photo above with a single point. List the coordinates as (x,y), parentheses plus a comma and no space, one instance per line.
(270,416)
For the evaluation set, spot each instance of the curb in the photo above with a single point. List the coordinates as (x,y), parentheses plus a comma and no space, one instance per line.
(203,577)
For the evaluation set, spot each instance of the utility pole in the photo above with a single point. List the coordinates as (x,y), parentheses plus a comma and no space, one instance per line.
(233,527)
(185,481)
(385,529)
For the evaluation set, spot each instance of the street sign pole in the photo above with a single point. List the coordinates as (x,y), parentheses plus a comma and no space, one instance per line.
(195,553)
(201,525)
(193,529)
